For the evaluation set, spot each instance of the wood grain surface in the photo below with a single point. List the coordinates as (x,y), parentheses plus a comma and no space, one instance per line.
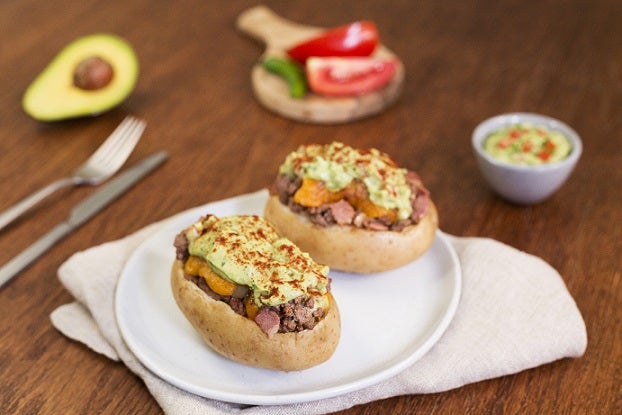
(464,62)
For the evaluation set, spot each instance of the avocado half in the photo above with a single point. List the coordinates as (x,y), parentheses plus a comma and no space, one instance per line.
(53,95)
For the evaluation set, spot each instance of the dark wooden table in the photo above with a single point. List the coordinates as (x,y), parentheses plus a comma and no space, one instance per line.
(464,61)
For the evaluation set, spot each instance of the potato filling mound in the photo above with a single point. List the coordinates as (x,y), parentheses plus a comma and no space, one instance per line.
(241,261)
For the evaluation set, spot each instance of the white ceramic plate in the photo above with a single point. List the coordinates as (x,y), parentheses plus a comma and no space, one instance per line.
(389,321)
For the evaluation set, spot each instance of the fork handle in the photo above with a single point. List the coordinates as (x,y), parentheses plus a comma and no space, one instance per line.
(26,257)
(21,207)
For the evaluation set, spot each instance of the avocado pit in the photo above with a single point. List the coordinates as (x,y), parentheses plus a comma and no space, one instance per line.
(93,73)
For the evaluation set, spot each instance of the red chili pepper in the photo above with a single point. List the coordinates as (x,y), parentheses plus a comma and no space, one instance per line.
(544,155)
(355,39)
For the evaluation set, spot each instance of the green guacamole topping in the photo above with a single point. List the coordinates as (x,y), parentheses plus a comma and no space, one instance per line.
(337,164)
(524,144)
(246,250)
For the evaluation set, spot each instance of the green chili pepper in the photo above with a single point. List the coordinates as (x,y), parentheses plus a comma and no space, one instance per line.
(291,72)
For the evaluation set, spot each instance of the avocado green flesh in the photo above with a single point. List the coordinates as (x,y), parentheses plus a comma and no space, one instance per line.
(53,96)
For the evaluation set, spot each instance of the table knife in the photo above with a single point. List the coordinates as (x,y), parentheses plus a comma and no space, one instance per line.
(81,213)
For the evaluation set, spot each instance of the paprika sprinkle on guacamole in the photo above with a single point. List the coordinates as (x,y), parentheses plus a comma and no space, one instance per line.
(525,144)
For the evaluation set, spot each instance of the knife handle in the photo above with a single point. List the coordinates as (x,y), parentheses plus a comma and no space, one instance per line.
(34,251)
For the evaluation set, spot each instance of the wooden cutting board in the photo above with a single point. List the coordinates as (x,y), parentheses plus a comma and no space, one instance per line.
(278,34)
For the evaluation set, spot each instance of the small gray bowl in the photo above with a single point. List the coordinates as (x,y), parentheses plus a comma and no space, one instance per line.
(524,185)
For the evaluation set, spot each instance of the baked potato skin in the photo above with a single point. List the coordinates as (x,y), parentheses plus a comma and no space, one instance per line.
(351,249)
(240,339)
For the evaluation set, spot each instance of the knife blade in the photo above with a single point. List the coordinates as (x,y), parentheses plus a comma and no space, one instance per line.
(81,213)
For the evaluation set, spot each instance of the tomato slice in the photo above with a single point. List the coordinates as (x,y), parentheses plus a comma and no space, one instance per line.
(349,76)
(354,39)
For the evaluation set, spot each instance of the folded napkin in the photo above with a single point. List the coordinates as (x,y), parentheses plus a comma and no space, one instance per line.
(515,313)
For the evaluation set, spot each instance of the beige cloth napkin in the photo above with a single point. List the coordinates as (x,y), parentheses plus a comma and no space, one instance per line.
(515,313)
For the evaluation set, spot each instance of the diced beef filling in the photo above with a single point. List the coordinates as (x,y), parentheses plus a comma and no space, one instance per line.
(342,213)
(294,316)
(181,247)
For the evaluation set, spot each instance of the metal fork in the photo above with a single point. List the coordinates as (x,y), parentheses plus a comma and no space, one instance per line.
(102,164)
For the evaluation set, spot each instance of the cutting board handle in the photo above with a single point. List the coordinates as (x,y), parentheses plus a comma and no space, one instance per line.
(276,32)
